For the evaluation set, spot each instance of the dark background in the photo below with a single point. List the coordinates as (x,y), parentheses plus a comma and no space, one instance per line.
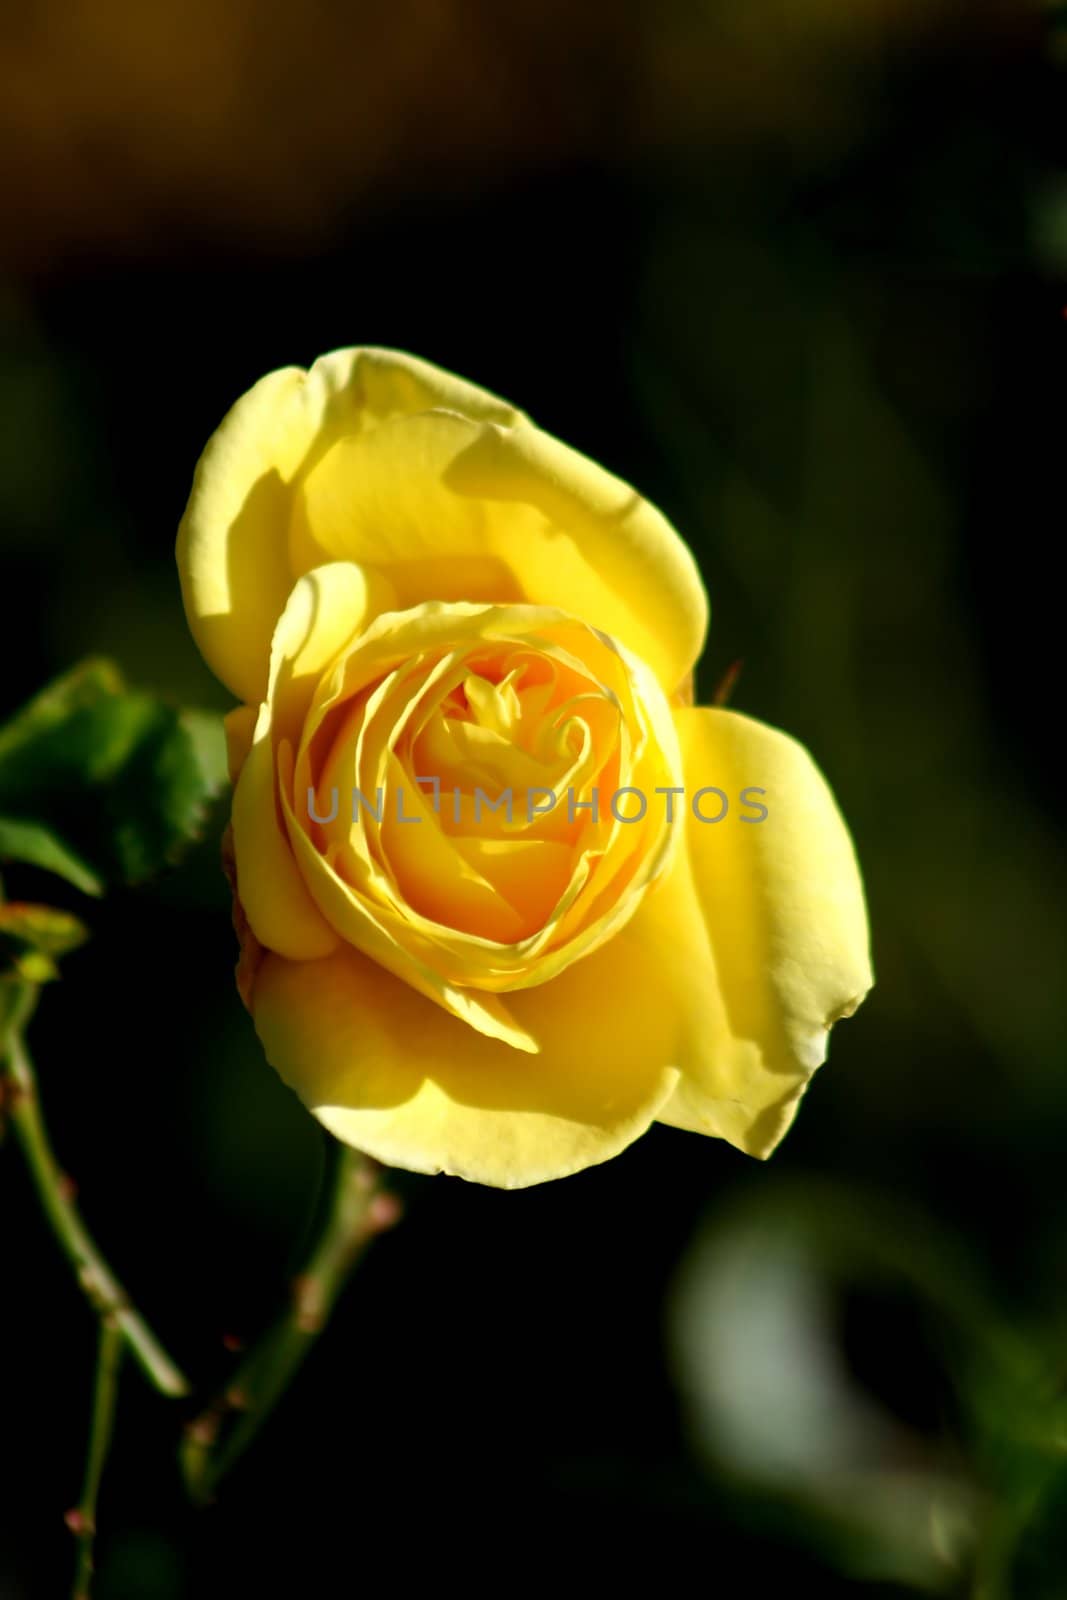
(797,271)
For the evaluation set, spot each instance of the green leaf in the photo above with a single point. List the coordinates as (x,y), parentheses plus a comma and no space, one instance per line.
(38,846)
(33,938)
(118,779)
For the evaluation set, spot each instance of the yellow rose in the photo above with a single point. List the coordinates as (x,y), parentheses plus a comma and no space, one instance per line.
(505,898)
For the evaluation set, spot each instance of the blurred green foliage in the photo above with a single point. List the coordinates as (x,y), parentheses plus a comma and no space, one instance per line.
(99,782)
(799,273)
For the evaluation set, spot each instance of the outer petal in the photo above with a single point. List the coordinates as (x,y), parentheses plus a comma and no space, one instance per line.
(786,929)
(527,517)
(233,542)
(321,614)
(393,1074)
(280,911)
(240,726)
(458,509)
(233,551)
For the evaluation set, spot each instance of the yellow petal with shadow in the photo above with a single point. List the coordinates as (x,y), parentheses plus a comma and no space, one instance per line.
(394,1075)
(234,551)
(323,611)
(770,918)
(441,488)
(377,932)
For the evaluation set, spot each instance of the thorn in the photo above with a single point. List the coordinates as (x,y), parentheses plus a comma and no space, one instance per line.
(78,1523)
(233,1342)
(11,1095)
(68,1189)
(727,683)
(238,1399)
(204,1430)
(384,1212)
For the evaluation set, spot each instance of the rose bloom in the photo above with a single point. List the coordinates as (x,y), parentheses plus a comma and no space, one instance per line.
(402,578)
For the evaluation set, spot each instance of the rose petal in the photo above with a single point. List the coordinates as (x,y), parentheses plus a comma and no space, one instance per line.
(240,726)
(394,1075)
(233,542)
(319,617)
(525,516)
(430,499)
(769,921)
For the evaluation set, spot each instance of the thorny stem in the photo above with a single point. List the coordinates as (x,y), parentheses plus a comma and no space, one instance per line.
(356,1209)
(82,1520)
(120,1325)
(55,1191)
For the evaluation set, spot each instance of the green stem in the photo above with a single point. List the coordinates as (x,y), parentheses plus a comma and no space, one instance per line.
(355,1210)
(82,1520)
(97,1281)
